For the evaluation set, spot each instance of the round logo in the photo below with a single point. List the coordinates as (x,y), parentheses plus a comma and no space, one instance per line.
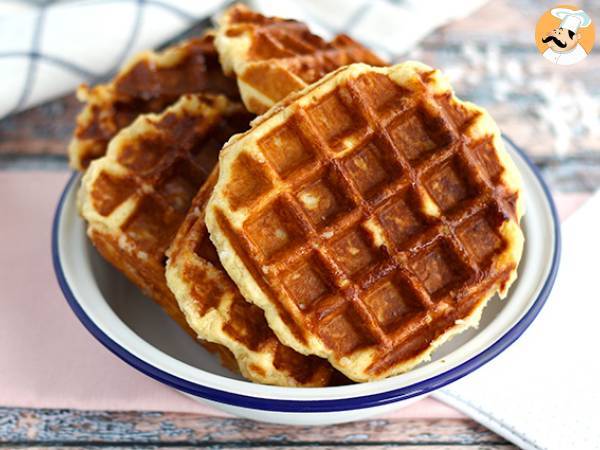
(565,35)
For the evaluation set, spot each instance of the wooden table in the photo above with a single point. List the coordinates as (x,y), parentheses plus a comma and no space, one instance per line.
(492,61)
(79,429)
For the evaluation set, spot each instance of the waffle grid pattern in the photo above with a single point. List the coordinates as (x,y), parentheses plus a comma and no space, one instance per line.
(136,196)
(148,83)
(160,179)
(216,310)
(272,57)
(378,226)
(143,191)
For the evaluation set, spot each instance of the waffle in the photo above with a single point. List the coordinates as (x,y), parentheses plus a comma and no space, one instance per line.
(385,226)
(272,57)
(218,313)
(148,83)
(136,196)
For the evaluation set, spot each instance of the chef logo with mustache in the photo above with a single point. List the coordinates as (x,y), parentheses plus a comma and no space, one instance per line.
(565,35)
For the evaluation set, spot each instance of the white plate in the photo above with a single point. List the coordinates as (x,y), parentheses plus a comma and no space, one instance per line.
(137,330)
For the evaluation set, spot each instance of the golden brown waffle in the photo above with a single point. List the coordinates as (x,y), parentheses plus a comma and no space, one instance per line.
(272,57)
(384,227)
(148,83)
(136,196)
(217,312)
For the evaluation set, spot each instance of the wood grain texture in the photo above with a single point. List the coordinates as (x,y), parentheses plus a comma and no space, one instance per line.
(45,129)
(247,446)
(491,59)
(31,427)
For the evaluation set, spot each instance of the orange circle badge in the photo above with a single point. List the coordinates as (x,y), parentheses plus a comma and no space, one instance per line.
(565,35)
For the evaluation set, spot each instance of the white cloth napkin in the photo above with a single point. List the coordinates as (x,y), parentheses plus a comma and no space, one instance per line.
(48,48)
(544,391)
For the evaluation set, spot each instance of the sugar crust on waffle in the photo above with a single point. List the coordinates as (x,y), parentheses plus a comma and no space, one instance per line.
(217,312)
(272,57)
(135,197)
(148,83)
(383,229)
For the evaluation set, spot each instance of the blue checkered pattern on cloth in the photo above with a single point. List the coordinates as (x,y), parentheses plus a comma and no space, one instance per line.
(47,48)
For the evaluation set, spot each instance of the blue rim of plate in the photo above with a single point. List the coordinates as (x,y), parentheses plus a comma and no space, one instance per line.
(318,406)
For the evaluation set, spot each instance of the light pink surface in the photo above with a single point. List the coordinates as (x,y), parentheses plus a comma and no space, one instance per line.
(47,358)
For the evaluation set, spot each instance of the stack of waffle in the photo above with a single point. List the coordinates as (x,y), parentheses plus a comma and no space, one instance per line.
(366,216)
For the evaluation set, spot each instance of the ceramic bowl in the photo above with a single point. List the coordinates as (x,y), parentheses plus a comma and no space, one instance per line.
(137,331)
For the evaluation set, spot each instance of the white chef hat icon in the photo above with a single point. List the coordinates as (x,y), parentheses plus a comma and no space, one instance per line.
(571,20)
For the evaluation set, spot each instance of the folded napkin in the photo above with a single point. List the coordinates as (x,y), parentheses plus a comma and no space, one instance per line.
(543,392)
(48,48)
